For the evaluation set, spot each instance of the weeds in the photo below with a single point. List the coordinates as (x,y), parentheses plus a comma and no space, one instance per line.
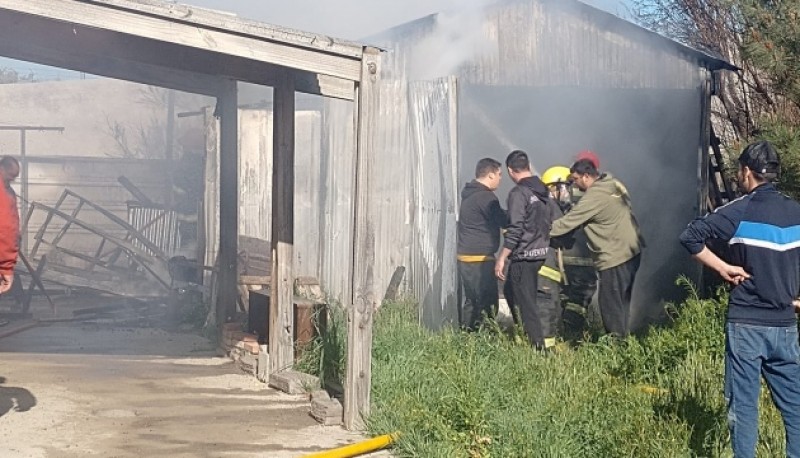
(485,394)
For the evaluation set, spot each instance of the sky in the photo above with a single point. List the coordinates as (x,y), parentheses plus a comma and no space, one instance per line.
(351,19)
(346,19)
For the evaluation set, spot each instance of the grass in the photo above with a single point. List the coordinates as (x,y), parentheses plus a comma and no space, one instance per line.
(483,394)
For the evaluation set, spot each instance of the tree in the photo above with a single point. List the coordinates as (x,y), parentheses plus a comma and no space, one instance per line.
(11,76)
(762,38)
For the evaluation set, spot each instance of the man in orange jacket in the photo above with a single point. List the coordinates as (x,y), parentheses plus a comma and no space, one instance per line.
(9,222)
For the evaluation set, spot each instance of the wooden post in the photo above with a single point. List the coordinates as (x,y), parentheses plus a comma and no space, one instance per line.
(281,353)
(228,202)
(169,152)
(359,317)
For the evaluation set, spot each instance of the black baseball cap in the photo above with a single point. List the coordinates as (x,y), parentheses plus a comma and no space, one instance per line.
(762,158)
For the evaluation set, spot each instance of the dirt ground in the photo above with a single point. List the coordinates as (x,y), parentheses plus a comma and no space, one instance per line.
(111,389)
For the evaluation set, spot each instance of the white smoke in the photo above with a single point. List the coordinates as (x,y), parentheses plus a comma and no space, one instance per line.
(459,36)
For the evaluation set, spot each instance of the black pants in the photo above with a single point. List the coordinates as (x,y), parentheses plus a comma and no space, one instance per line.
(582,285)
(579,293)
(614,296)
(480,293)
(538,320)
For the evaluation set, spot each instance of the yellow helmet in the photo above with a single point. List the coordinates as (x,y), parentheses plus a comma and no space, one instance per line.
(556,174)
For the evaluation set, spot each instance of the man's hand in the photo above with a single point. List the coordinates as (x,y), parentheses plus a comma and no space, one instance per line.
(6,280)
(733,274)
(499,267)
(796,304)
(500,264)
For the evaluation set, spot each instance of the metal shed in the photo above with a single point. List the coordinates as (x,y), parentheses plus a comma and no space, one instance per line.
(551,77)
(200,51)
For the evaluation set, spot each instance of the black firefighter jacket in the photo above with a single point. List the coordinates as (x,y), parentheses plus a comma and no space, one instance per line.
(530,213)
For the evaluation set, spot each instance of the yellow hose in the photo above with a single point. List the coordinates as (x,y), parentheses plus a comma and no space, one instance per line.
(654,390)
(359,448)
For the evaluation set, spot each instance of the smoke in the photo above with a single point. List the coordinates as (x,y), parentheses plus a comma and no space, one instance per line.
(352,19)
(458,37)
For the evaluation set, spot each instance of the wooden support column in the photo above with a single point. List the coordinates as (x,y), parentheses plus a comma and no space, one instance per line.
(358,377)
(281,351)
(227,110)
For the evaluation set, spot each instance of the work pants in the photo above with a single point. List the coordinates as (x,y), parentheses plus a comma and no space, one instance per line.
(479,286)
(579,293)
(614,296)
(750,352)
(538,320)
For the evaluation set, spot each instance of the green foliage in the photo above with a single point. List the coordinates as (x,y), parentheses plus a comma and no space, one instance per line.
(772,43)
(485,394)
(325,357)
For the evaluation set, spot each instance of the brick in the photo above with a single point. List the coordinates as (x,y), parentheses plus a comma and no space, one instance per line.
(293,382)
(251,347)
(232,327)
(327,411)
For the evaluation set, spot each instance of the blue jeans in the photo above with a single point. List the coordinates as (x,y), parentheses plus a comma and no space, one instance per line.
(752,351)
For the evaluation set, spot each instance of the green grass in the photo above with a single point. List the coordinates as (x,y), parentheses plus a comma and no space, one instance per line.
(454,394)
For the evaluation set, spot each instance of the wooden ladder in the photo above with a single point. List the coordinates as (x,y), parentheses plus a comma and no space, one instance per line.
(720,191)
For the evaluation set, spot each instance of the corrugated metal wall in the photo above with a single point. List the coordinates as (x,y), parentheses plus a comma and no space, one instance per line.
(541,43)
(414,194)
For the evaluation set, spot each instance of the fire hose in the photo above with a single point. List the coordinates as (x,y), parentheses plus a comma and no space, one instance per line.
(359,448)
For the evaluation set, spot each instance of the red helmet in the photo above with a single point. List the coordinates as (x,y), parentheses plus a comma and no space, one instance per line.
(590,156)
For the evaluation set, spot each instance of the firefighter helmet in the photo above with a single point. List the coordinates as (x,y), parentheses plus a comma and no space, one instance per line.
(556,174)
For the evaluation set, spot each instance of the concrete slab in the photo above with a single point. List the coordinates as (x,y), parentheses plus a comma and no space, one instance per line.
(77,390)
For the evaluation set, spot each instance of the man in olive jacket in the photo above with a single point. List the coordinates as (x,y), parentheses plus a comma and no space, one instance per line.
(615,243)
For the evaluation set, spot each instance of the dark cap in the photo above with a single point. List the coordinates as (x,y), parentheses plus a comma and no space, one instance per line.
(762,158)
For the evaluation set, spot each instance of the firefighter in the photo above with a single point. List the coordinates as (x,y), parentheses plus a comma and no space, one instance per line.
(532,287)
(579,276)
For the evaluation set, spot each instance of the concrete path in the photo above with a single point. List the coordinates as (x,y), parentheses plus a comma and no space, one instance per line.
(77,390)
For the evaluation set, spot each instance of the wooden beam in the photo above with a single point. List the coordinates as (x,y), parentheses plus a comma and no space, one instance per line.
(281,353)
(228,21)
(358,377)
(187,34)
(116,55)
(228,203)
(62,53)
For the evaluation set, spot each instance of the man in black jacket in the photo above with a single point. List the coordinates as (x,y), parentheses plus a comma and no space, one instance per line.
(527,246)
(480,220)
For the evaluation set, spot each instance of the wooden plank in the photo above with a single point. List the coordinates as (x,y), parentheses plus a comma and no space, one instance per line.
(223,20)
(36,281)
(134,60)
(358,376)
(188,35)
(255,280)
(107,65)
(78,279)
(281,353)
(228,203)
(40,233)
(134,190)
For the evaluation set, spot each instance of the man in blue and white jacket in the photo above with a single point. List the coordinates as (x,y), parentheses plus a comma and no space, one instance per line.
(762,230)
